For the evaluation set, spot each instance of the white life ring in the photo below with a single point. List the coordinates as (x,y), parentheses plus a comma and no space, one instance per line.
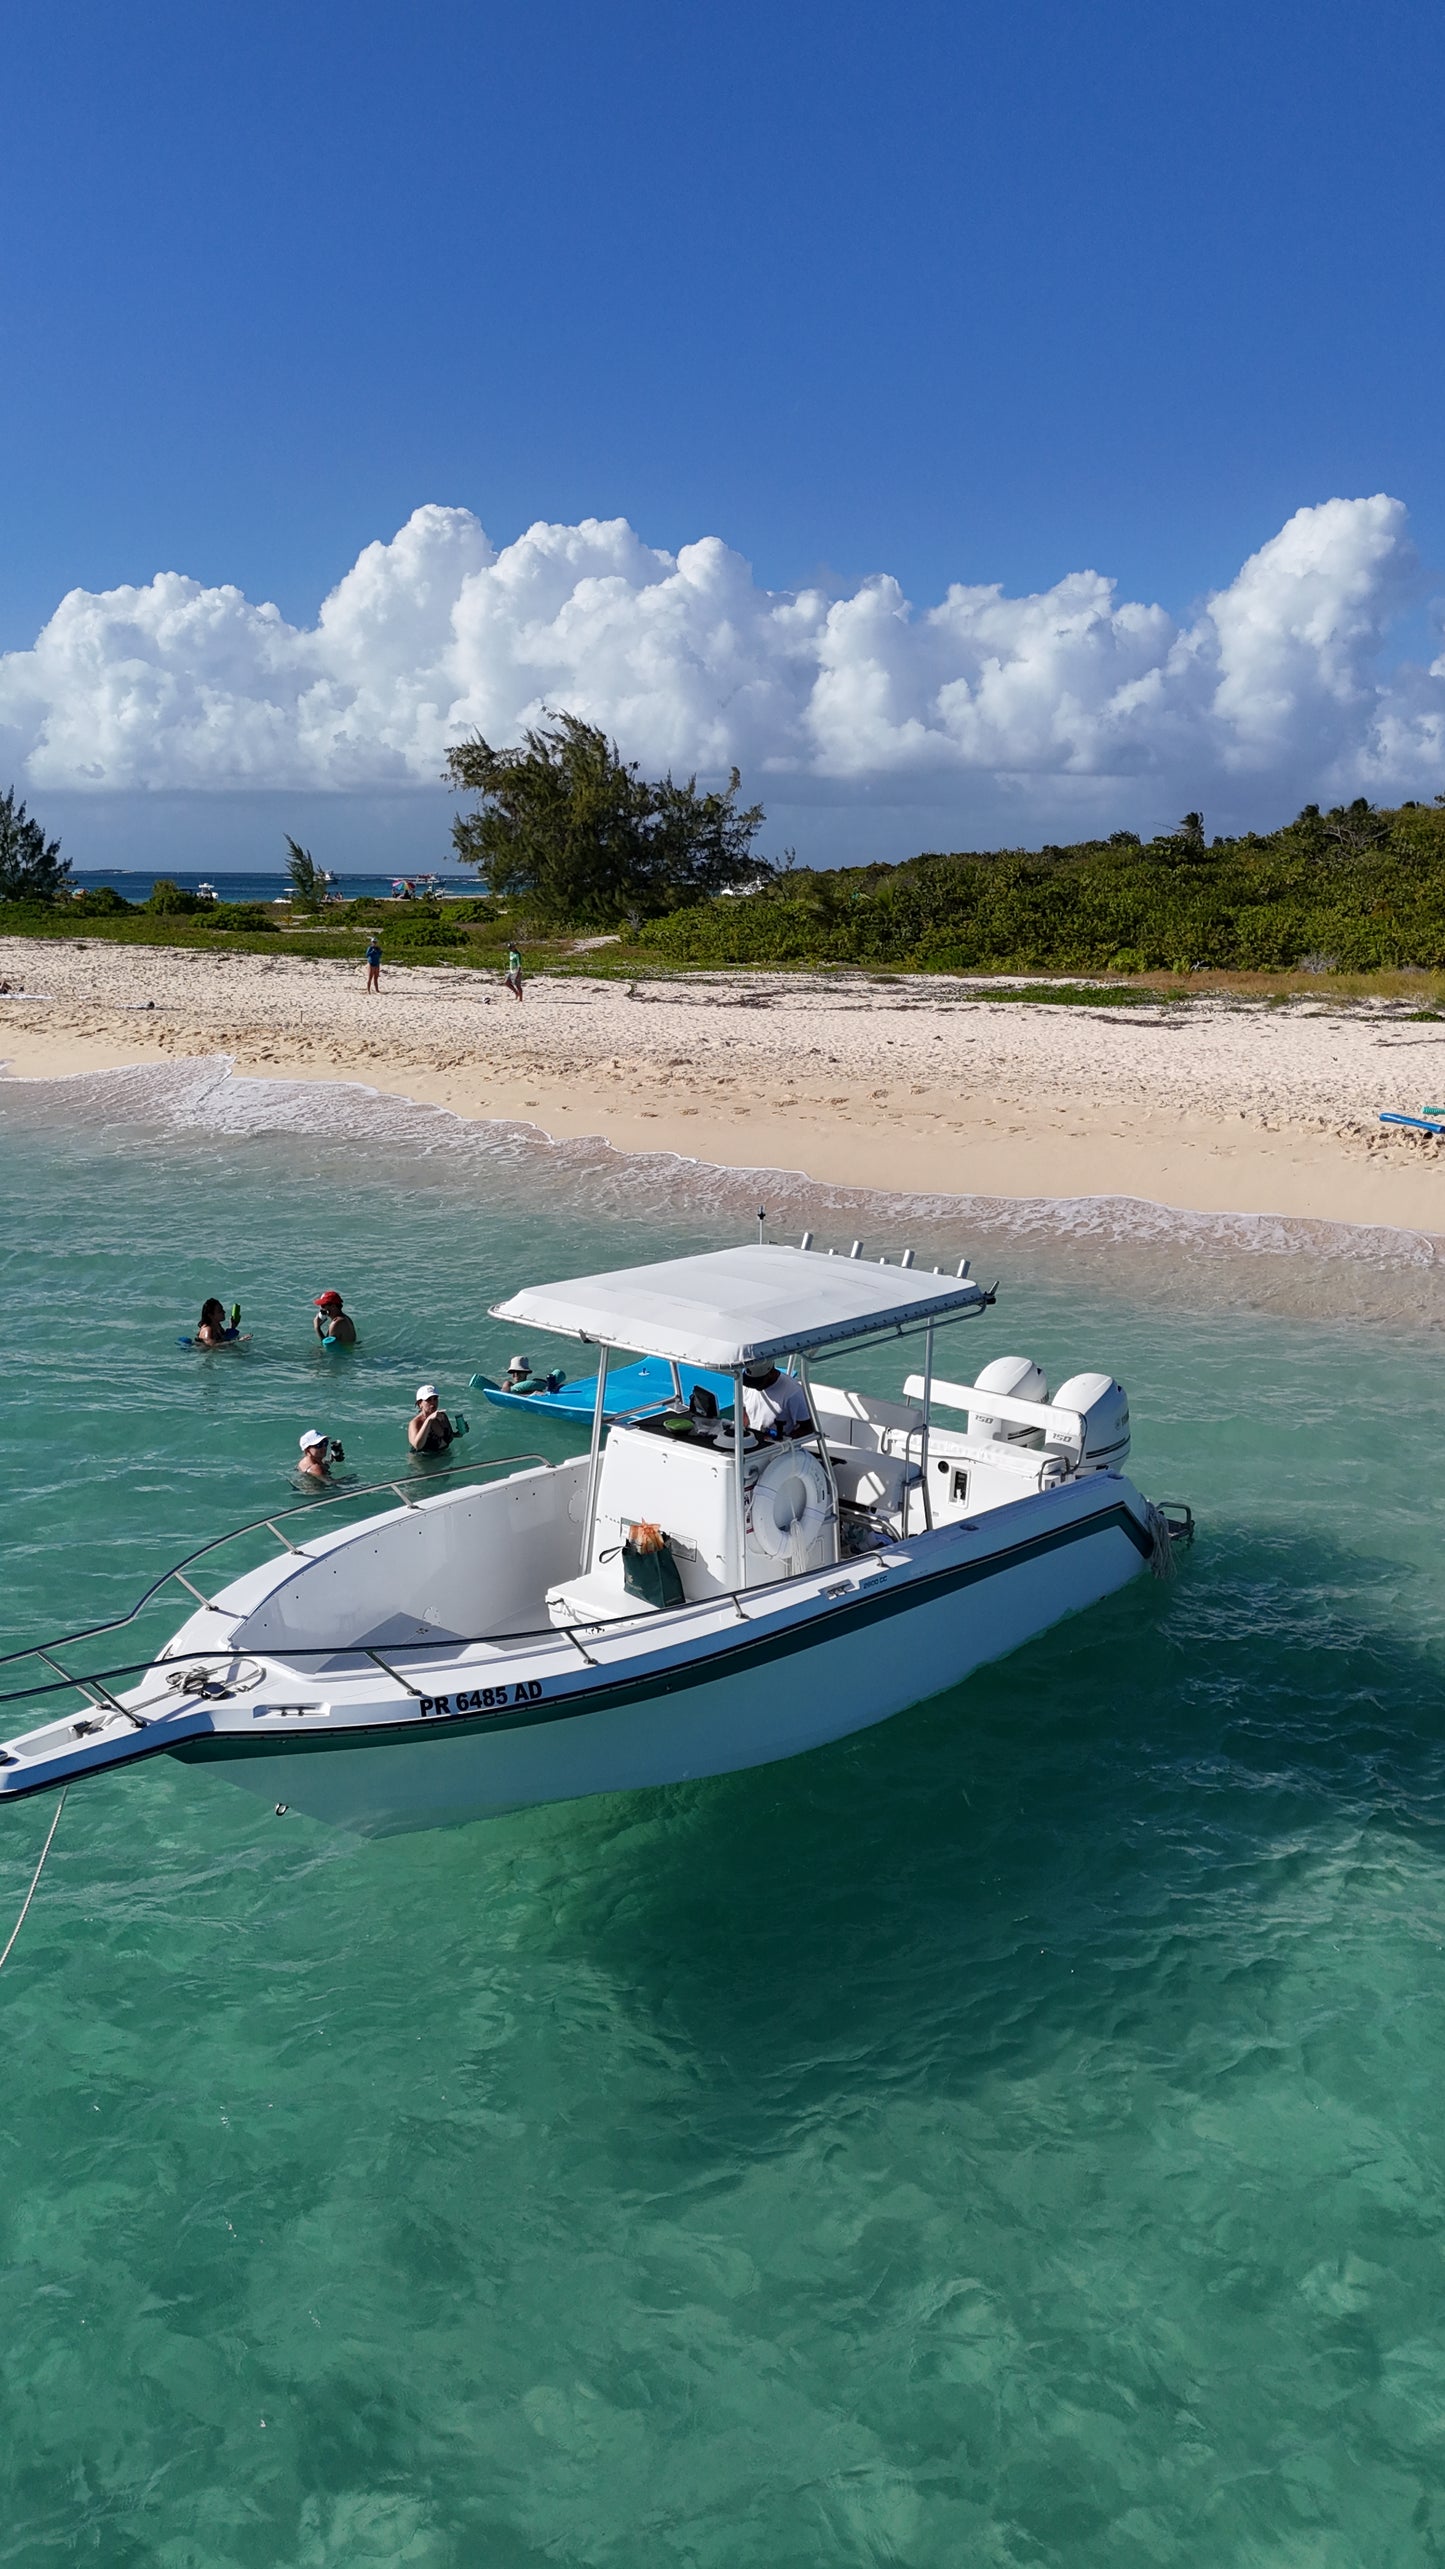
(789,1503)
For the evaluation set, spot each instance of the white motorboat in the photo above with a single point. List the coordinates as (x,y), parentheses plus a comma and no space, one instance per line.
(684,1598)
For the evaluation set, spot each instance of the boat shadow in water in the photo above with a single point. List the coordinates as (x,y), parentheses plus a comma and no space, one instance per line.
(1062,1842)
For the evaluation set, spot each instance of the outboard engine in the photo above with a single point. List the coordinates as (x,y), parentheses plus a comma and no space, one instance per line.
(1020,1379)
(1103,1405)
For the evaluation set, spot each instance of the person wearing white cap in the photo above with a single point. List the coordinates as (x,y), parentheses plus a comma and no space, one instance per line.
(315,1452)
(431,1431)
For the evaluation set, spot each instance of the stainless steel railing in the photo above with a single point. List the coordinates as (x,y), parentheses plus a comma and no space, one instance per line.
(45,1650)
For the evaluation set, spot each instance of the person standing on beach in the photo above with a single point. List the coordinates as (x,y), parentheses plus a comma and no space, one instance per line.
(513,976)
(373,963)
(333,1326)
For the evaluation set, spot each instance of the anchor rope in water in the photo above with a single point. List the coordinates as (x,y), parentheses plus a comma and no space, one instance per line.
(35,1878)
(1161,1560)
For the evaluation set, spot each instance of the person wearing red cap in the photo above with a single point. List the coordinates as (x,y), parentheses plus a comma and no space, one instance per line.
(333,1326)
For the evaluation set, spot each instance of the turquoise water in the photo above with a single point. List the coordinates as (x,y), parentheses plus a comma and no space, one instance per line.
(1010,2137)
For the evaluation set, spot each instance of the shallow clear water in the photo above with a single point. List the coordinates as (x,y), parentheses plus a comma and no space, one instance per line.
(1012,2136)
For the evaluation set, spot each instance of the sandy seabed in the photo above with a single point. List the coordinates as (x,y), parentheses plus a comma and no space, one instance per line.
(916,1084)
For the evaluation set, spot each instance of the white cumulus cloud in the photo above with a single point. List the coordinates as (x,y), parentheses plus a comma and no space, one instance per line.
(1274,691)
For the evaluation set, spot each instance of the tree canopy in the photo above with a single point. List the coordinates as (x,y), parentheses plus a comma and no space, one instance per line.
(574,831)
(31,865)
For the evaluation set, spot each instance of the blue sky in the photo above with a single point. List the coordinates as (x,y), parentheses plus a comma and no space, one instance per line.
(945,293)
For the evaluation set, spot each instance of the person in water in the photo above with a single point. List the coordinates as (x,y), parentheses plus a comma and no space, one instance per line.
(333,1326)
(775,1404)
(315,1463)
(213,1329)
(431,1431)
(373,963)
(519,1377)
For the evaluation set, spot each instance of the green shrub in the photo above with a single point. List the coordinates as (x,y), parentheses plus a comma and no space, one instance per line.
(101,901)
(418,923)
(254,916)
(1363,886)
(168,901)
(483,912)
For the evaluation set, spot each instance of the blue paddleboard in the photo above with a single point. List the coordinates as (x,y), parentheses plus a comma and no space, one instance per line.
(645,1385)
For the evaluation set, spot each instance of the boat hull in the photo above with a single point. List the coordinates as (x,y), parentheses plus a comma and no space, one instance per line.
(756,1696)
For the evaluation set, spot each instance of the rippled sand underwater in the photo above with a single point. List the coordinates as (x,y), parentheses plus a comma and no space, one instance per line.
(1011,2136)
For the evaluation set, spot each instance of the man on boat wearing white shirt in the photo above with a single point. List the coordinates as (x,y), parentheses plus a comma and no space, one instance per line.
(775,1404)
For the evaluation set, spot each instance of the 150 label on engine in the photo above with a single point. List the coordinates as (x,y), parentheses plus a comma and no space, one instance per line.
(485,1699)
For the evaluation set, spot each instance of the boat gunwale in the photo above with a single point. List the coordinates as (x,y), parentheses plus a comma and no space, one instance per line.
(871,1601)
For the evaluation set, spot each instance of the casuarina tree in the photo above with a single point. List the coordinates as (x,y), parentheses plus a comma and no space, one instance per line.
(568,827)
(308,881)
(31,865)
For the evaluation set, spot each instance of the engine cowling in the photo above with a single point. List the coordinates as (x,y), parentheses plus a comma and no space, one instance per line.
(1019,1378)
(1103,1406)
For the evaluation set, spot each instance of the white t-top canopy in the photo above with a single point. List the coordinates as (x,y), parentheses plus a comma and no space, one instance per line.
(735,1306)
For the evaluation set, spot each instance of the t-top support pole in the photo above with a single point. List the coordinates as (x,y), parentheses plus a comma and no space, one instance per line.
(599,1408)
(923,1440)
(739,1497)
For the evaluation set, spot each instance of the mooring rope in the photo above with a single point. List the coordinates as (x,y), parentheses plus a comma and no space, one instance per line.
(35,1878)
(1162,1561)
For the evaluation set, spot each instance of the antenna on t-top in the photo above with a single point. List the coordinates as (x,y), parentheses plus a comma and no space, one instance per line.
(762,1217)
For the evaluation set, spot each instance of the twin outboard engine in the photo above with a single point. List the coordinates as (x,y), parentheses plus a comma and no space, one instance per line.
(1103,1405)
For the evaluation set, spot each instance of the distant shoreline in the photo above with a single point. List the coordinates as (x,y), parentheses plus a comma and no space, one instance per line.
(917,1085)
(253,882)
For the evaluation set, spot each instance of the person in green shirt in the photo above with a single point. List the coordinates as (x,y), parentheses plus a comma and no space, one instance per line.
(513,977)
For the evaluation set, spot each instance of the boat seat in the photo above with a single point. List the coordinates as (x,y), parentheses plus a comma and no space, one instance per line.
(595,1596)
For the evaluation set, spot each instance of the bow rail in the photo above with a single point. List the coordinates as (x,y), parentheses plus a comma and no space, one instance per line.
(96,1683)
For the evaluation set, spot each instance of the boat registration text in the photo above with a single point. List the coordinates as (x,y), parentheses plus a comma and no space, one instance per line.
(484,1699)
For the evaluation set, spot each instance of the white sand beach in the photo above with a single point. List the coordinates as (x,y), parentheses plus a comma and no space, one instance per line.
(909,1083)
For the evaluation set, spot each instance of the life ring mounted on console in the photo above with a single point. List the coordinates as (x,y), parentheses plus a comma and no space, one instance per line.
(789,1503)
